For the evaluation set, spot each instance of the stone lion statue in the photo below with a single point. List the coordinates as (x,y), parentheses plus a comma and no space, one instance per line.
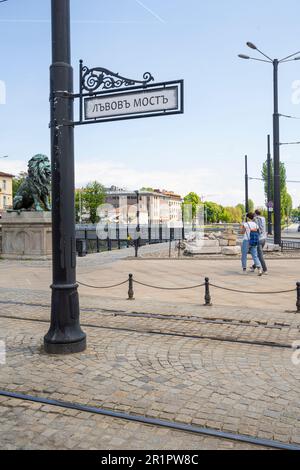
(34,191)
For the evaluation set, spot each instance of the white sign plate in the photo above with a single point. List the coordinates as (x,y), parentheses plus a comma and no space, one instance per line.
(153,100)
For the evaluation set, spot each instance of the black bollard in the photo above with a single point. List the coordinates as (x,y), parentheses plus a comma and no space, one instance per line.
(207,297)
(298,297)
(130,289)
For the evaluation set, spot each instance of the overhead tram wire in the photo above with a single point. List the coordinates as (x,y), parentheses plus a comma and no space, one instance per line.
(261,179)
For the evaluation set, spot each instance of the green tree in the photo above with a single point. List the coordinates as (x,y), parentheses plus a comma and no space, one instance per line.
(287,203)
(194,200)
(17,181)
(286,200)
(214,212)
(242,208)
(296,213)
(251,205)
(93,195)
(234,215)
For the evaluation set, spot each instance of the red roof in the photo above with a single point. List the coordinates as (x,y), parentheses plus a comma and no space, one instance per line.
(6,174)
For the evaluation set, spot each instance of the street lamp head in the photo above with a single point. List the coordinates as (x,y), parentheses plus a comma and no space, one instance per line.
(243,56)
(251,45)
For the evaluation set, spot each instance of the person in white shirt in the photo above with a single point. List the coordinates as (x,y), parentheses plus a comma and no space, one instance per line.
(261,222)
(250,245)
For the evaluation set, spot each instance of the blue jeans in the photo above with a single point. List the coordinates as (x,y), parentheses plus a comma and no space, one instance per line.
(253,250)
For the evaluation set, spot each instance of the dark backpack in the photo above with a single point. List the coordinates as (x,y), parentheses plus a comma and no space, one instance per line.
(254,237)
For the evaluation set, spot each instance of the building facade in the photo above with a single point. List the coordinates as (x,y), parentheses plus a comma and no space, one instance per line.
(6,191)
(155,207)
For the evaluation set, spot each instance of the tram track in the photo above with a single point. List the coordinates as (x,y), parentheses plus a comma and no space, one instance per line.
(149,331)
(158,316)
(155,422)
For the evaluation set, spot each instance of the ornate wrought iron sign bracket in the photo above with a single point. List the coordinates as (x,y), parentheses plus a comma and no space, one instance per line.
(107,96)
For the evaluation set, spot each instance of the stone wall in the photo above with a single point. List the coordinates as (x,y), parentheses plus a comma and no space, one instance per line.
(26,235)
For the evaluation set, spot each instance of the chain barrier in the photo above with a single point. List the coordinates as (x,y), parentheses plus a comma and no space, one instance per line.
(168,288)
(207,284)
(102,287)
(251,292)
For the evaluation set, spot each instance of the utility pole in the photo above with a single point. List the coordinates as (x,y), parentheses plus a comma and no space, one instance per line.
(276,144)
(65,334)
(80,207)
(246,185)
(269,195)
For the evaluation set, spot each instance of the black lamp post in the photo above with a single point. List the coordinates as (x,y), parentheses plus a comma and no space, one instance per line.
(246,186)
(138,228)
(276,133)
(270,231)
(65,334)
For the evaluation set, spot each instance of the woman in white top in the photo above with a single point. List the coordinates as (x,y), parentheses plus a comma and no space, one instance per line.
(247,228)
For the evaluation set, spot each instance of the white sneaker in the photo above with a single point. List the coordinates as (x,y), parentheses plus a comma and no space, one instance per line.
(260,271)
(265,273)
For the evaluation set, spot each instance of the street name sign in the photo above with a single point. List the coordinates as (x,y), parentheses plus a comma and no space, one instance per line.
(158,100)
(108,96)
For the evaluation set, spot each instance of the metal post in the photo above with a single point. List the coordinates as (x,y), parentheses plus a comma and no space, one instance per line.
(130,289)
(80,207)
(276,144)
(270,230)
(118,237)
(65,334)
(298,297)
(246,185)
(207,297)
(138,229)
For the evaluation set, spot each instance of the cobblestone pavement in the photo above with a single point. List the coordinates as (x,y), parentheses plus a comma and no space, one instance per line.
(31,426)
(252,390)
(241,388)
(282,329)
(106,269)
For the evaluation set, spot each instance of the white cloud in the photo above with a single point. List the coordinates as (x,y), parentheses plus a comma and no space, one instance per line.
(12,166)
(213,185)
(181,180)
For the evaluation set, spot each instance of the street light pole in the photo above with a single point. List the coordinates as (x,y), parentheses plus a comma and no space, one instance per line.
(246,185)
(269,195)
(65,334)
(276,145)
(276,132)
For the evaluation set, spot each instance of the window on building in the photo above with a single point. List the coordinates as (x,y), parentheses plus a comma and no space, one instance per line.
(4,185)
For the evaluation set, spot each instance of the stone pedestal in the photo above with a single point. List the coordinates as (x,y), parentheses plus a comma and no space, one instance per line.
(203,247)
(26,235)
(231,250)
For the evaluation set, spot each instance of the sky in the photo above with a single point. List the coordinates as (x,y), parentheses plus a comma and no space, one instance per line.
(228,101)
